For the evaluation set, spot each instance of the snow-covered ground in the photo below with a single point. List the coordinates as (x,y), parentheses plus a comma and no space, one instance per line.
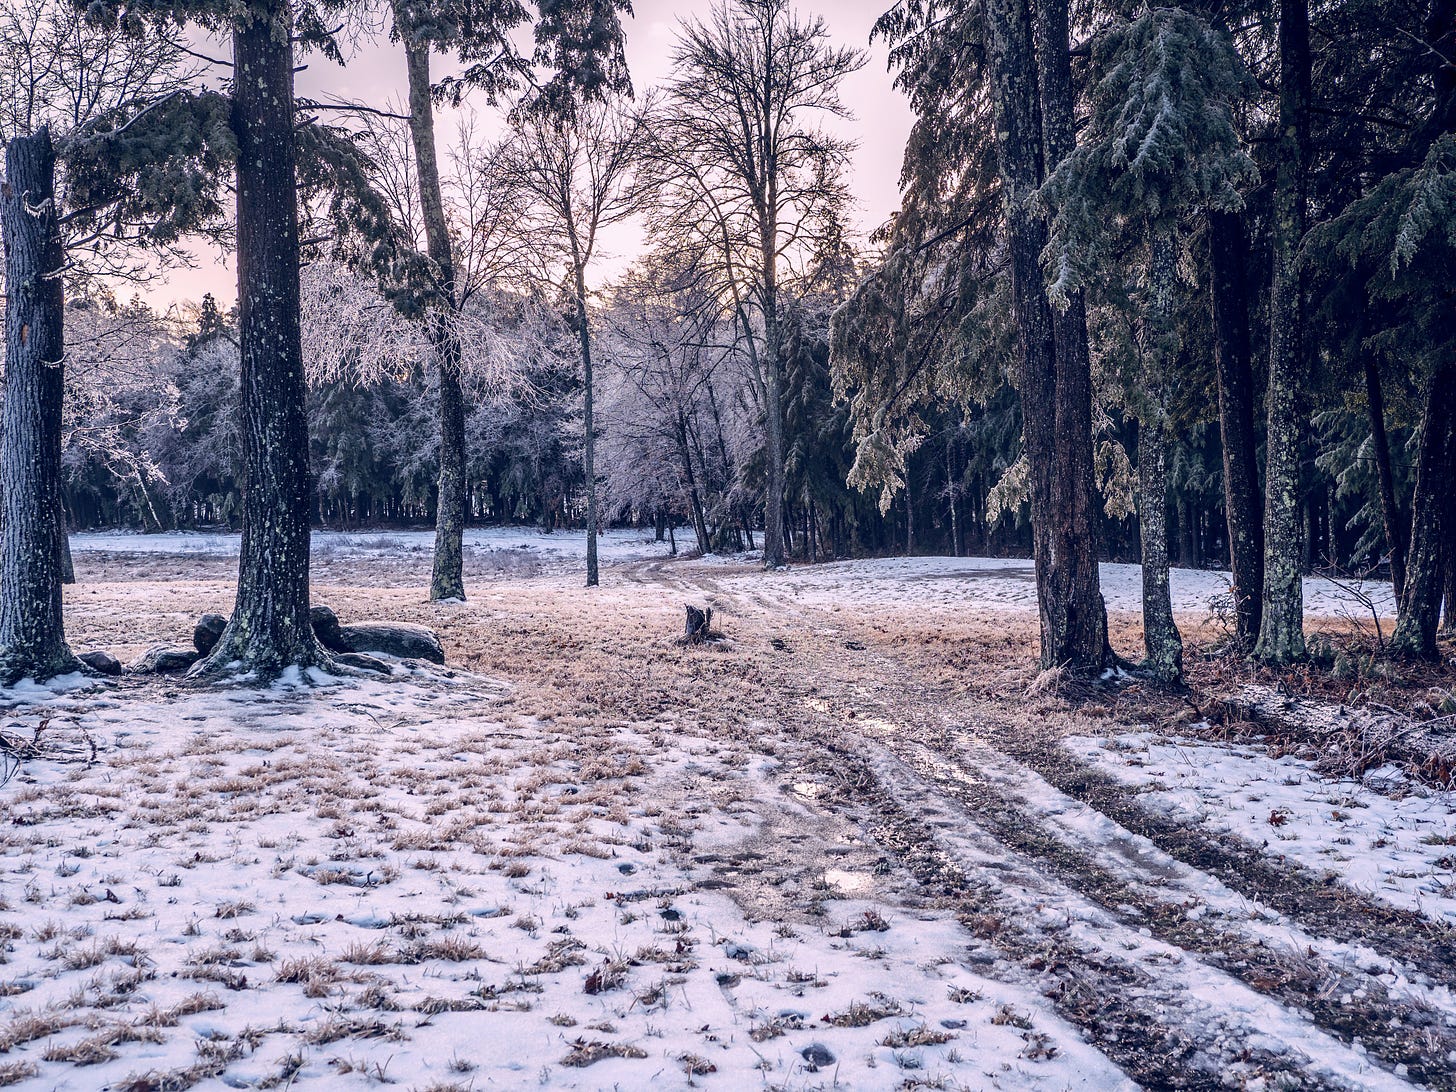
(1009,584)
(402,882)
(931,582)
(1400,848)
(447,883)
(556,546)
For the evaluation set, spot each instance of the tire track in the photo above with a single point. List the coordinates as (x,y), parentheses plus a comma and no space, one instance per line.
(1323,1005)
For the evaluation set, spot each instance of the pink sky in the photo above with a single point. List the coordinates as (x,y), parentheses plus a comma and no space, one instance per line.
(376,75)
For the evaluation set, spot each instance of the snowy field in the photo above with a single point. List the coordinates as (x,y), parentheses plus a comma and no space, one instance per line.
(1397,845)
(364,884)
(821,853)
(980,583)
(1009,584)
(555,546)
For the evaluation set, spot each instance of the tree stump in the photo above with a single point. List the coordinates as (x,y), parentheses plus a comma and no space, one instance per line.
(699,623)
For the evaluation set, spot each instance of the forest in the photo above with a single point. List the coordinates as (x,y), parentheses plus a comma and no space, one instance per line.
(594,608)
(1167,285)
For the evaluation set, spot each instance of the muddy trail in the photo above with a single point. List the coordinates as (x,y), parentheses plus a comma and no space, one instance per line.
(1190,959)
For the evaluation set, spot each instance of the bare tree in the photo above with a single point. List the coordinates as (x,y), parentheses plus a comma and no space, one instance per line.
(575,174)
(667,346)
(748,177)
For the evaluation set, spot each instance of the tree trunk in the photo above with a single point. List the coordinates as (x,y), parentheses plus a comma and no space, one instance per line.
(773,504)
(589,453)
(1161,640)
(270,629)
(1395,525)
(695,503)
(1229,303)
(447,580)
(1420,601)
(955,528)
(1432,510)
(63,539)
(1281,626)
(1073,624)
(1075,524)
(32,626)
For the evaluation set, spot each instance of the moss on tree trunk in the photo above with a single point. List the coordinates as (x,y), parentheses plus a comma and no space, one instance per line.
(32,629)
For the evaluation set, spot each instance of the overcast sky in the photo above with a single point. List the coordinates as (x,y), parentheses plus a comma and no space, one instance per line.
(376,74)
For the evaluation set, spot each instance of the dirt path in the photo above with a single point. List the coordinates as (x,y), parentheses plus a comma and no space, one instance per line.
(1187,958)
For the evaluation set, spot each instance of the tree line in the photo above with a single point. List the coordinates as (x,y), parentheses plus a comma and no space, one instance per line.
(1166,285)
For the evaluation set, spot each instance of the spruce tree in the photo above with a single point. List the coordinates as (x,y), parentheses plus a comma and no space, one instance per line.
(1160,147)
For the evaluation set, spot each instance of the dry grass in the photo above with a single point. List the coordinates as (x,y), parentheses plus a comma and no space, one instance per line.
(562,773)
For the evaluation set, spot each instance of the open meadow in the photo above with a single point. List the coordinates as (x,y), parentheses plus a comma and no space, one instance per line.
(853,843)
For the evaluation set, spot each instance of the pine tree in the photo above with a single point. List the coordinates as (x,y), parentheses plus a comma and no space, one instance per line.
(138,159)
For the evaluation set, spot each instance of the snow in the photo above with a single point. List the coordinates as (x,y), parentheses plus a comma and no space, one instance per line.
(1401,849)
(620,545)
(364,881)
(1009,584)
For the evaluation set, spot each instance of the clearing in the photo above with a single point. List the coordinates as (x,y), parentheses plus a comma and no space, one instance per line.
(852,844)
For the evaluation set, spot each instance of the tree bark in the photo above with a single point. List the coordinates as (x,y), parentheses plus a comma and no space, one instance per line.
(447,579)
(1229,303)
(270,629)
(1161,640)
(589,453)
(1420,601)
(1395,524)
(773,505)
(1075,526)
(32,626)
(1073,624)
(1281,625)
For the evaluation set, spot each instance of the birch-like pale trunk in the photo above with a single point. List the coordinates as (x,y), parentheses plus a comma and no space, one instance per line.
(1161,640)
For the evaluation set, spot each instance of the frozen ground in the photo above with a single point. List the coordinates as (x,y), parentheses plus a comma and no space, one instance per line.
(1398,845)
(555,546)
(844,847)
(1009,584)
(368,883)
